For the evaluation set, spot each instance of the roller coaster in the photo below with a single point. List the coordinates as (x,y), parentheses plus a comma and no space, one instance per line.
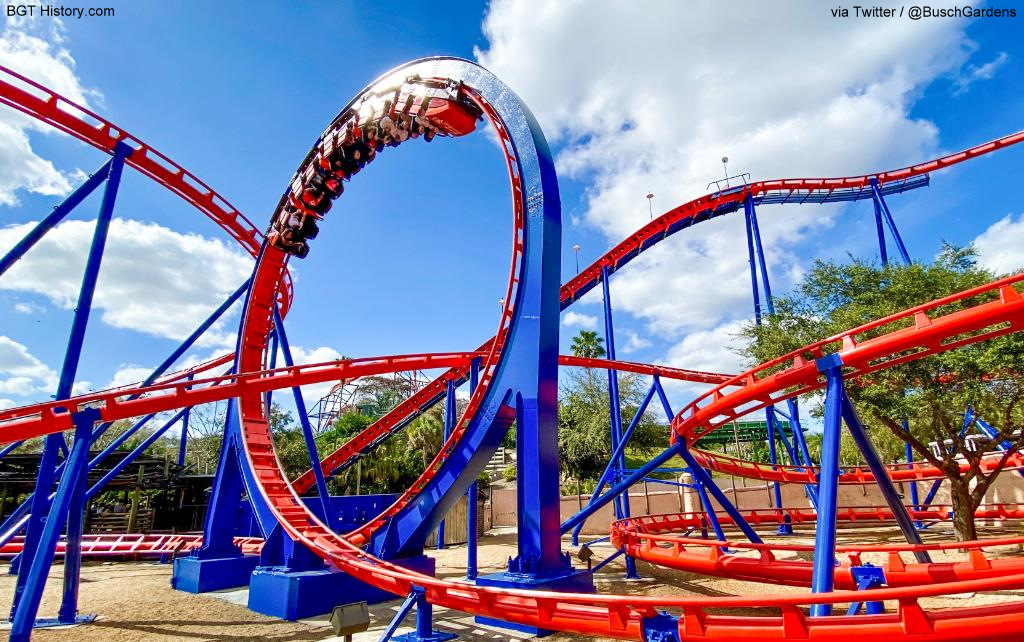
(512,377)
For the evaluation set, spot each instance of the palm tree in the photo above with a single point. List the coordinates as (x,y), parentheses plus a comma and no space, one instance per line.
(588,345)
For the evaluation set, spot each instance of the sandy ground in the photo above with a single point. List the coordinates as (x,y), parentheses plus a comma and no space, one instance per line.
(135,602)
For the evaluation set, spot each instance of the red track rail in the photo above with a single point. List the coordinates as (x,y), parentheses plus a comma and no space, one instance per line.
(134,545)
(176,391)
(915,471)
(610,615)
(615,615)
(896,339)
(647,236)
(418,401)
(655,539)
(35,100)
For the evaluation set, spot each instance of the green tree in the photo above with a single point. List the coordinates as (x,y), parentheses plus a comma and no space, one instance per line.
(930,393)
(584,436)
(425,434)
(588,345)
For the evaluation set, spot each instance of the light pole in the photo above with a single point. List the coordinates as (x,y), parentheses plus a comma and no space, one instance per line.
(725,165)
(650,208)
(576,249)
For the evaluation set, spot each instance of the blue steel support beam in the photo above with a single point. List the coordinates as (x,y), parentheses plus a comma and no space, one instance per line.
(471,534)
(798,432)
(748,208)
(130,457)
(709,509)
(992,433)
(702,478)
(307,430)
(930,497)
(755,246)
(167,363)
(221,515)
(914,499)
(881,474)
(449,424)
(24,614)
(636,476)
(823,576)
(890,221)
(883,252)
(609,469)
(69,369)
(53,218)
(665,405)
(614,413)
(784,528)
(183,443)
(76,511)
(403,611)
(618,440)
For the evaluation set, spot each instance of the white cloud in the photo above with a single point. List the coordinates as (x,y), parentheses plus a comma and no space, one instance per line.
(22,307)
(572,319)
(634,343)
(314,392)
(975,73)
(7,403)
(21,373)
(651,100)
(999,246)
(710,350)
(34,48)
(128,374)
(152,280)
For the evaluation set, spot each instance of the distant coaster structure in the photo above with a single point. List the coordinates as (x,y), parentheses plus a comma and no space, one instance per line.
(314,554)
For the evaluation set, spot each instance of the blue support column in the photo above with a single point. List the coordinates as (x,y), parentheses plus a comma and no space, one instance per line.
(609,475)
(219,564)
(69,368)
(307,430)
(748,206)
(615,412)
(76,512)
(38,565)
(748,210)
(665,405)
(785,528)
(183,444)
(823,578)
(53,218)
(424,621)
(914,499)
(634,477)
(930,497)
(798,433)
(471,536)
(449,424)
(883,252)
(709,509)
(702,478)
(755,247)
(881,474)
(126,461)
(889,220)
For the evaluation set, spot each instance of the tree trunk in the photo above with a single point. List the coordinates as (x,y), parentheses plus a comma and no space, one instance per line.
(963,511)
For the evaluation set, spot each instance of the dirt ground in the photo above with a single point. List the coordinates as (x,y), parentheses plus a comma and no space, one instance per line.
(134,600)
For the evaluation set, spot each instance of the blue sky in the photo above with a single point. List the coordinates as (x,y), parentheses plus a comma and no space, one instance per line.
(414,256)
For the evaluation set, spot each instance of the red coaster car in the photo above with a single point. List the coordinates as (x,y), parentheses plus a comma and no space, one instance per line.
(452,118)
